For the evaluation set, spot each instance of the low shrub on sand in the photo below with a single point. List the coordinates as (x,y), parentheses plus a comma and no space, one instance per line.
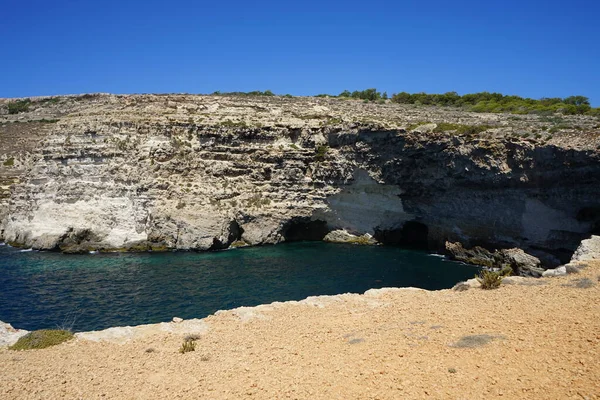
(42,339)
(492,279)
(189,344)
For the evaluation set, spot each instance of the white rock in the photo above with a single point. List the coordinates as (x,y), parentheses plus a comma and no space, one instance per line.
(589,249)
(10,335)
(560,271)
(123,334)
(339,236)
(473,283)
(177,320)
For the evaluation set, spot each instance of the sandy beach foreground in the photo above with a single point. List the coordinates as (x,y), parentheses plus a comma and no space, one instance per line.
(536,340)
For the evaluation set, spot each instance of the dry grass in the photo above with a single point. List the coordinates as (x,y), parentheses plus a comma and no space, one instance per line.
(187,346)
(189,343)
(583,283)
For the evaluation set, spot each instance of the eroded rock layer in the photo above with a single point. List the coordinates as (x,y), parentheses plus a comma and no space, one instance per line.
(141,172)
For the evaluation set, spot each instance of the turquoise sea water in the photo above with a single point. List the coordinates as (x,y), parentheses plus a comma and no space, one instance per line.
(88,292)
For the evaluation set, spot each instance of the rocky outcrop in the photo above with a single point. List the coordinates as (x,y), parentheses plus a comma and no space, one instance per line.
(589,249)
(521,263)
(560,271)
(153,172)
(342,236)
(10,335)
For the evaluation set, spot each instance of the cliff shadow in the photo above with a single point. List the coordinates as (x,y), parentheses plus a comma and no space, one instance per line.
(412,234)
(304,229)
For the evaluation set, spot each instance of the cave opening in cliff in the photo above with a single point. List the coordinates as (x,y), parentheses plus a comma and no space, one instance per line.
(412,234)
(590,215)
(304,229)
(235,234)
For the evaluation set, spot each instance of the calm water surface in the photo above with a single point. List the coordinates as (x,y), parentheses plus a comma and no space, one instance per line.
(88,292)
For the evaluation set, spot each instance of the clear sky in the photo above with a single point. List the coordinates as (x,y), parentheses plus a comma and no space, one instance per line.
(529,48)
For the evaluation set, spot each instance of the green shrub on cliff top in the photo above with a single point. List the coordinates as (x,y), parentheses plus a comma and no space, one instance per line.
(252,93)
(493,279)
(499,103)
(368,94)
(489,279)
(42,339)
(18,106)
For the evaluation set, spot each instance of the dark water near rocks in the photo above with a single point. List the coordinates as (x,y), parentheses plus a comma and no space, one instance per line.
(89,292)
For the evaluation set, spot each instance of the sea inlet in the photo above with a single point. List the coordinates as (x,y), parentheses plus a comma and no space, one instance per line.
(97,291)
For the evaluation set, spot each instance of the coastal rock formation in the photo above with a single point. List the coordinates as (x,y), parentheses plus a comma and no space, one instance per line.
(589,249)
(158,172)
(342,236)
(521,263)
(560,271)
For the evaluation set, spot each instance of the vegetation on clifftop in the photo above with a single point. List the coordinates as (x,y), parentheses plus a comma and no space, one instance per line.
(497,102)
(253,93)
(475,102)
(18,106)
(493,279)
(42,339)
(481,102)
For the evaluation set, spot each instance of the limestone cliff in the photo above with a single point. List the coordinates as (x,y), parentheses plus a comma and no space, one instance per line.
(139,172)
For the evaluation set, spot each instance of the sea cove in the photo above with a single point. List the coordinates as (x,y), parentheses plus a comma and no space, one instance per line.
(97,291)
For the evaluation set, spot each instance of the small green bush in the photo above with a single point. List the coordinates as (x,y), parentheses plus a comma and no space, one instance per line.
(9,162)
(18,106)
(189,344)
(489,279)
(321,152)
(42,339)
(492,279)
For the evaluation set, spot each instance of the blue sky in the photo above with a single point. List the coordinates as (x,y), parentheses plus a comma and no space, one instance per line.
(529,48)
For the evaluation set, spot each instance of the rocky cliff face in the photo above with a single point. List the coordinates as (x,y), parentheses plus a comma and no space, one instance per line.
(208,172)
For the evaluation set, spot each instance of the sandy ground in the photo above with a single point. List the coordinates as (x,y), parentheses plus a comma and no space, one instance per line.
(544,343)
